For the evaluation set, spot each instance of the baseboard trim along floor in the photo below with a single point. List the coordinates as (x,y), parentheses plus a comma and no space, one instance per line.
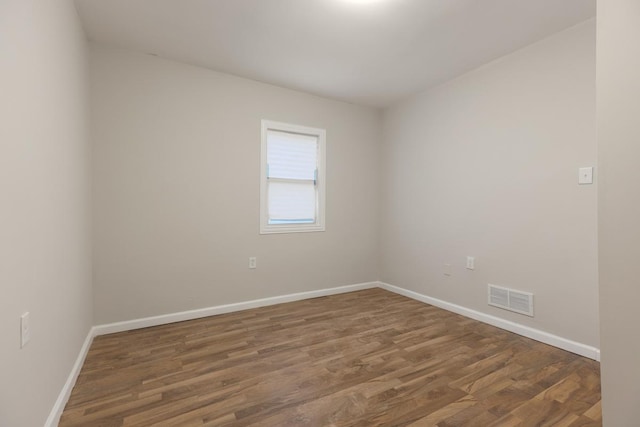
(63,397)
(526,331)
(536,334)
(226,308)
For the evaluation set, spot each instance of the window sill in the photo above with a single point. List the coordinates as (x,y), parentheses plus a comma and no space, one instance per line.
(281,229)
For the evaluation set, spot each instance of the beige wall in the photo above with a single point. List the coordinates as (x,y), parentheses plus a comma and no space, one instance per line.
(176,189)
(486,165)
(619,207)
(44,204)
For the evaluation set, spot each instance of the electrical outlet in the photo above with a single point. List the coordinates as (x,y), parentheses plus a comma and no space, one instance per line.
(252,262)
(25,330)
(447,269)
(471,261)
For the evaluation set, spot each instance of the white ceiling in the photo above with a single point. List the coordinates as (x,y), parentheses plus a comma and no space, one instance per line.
(370,52)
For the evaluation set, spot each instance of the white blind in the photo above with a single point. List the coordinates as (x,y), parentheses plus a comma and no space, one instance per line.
(292,202)
(291,156)
(292,161)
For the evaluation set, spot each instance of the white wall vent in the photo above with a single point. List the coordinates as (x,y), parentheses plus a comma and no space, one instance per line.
(510,299)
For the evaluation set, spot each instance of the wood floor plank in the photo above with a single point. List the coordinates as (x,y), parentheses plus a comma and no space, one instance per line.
(367,358)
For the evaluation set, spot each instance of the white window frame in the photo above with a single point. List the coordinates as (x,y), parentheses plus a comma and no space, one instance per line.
(319,225)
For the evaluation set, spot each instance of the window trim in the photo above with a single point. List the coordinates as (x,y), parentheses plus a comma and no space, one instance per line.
(319,225)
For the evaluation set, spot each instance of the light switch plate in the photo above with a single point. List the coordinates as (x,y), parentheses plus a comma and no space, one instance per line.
(585,175)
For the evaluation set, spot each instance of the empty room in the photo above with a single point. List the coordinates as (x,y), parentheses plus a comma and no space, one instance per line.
(319,213)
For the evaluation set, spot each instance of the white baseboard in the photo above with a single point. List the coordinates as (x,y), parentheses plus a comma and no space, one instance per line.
(146,322)
(529,332)
(63,397)
(535,334)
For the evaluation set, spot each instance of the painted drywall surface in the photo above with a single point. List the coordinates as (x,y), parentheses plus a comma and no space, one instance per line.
(45,204)
(619,207)
(176,189)
(487,166)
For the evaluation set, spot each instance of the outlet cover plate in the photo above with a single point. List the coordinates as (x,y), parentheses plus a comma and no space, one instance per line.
(25,329)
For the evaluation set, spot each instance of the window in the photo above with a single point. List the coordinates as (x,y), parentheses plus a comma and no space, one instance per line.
(291,178)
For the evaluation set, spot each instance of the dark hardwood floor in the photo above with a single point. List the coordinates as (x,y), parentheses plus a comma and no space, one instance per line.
(368,358)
